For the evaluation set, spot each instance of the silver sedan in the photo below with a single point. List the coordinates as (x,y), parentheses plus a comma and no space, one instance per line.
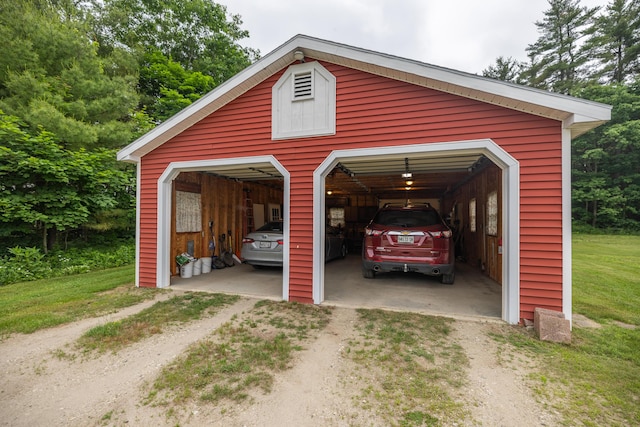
(263,247)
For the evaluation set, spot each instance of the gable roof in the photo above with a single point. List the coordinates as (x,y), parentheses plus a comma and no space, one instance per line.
(577,114)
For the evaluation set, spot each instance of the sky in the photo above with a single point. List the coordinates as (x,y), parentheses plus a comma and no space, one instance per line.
(465,35)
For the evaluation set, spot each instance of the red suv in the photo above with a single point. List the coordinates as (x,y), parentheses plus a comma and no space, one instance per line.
(408,238)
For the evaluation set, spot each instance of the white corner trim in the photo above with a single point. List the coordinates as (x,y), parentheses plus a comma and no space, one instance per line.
(567,271)
(137,264)
(510,209)
(164,260)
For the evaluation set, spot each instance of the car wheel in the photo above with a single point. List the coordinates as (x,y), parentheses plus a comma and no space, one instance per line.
(448,279)
(367,273)
(343,251)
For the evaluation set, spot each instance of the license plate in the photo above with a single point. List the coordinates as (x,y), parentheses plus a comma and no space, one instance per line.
(265,244)
(405,239)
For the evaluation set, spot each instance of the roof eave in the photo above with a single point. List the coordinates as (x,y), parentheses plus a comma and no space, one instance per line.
(587,114)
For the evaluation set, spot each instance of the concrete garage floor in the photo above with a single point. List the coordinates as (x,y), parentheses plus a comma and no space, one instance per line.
(472,296)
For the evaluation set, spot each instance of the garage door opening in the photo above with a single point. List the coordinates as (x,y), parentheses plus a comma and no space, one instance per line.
(206,207)
(435,173)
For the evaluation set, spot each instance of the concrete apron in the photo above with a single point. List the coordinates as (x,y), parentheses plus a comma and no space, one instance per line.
(473,296)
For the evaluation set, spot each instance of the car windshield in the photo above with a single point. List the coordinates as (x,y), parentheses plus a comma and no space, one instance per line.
(271,226)
(407,218)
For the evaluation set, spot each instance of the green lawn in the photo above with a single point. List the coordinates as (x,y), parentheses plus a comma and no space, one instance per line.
(595,380)
(29,306)
(606,277)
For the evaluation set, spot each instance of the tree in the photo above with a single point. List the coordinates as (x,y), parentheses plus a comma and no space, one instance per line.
(606,162)
(167,87)
(47,188)
(200,35)
(614,42)
(52,78)
(506,69)
(556,56)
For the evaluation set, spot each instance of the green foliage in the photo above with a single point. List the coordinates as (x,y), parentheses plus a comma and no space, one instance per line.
(198,34)
(606,162)
(27,264)
(79,80)
(580,48)
(506,69)
(61,85)
(167,87)
(47,187)
(556,57)
(614,42)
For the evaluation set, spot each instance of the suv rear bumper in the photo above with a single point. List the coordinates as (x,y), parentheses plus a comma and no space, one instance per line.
(428,269)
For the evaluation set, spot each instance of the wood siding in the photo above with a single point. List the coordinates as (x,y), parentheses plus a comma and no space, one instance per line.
(375,111)
(478,248)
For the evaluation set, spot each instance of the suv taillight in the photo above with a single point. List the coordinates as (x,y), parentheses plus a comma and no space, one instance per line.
(371,232)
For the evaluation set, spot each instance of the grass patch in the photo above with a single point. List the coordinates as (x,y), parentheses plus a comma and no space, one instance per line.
(411,367)
(113,336)
(30,306)
(242,357)
(605,277)
(595,380)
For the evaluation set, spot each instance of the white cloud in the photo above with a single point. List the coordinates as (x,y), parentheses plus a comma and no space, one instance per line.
(466,35)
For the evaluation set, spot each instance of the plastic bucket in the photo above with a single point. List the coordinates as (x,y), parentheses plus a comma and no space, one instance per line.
(186,271)
(206,265)
(197,267)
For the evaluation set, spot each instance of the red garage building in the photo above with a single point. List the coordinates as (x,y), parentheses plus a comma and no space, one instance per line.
(315,115)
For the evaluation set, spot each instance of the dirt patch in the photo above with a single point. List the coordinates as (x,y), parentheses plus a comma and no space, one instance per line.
(41,388)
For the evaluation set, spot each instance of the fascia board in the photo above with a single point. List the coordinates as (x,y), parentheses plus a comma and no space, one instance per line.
(206,105)
(587,111)
(444,79)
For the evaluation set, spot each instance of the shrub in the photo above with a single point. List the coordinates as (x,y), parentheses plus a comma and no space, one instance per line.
(26,264)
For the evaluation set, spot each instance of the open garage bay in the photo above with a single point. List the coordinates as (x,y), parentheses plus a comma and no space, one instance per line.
(473,295)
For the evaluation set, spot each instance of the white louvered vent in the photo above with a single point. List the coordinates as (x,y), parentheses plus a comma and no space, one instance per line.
(303,102)
(303,85)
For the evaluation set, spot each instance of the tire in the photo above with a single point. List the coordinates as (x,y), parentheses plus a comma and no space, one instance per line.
(368,273)
(218,263)
(448,279)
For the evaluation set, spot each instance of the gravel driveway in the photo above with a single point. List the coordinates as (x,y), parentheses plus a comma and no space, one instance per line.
(40,388)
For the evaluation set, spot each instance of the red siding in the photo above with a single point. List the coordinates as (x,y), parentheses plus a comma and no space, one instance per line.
(375,111)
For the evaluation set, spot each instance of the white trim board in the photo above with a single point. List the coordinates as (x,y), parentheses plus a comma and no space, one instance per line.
(164,259)
(577,114)
(510,209)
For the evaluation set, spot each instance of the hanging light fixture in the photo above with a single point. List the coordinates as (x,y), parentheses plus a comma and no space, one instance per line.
(407,174)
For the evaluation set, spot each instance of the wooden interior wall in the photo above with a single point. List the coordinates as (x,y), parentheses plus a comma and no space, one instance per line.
(224,203)
(262,194)
(477,248)
(358,211)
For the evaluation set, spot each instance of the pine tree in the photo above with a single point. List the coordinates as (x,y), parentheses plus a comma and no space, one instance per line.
(557,55)
(614,42)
